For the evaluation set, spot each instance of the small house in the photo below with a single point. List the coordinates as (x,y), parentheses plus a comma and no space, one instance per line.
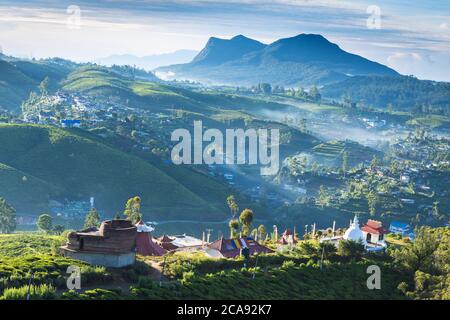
(398,227)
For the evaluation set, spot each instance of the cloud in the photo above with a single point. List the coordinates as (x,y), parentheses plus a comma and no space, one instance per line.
(145,27)
(402,57)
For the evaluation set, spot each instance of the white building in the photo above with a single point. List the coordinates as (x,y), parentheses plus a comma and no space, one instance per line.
(354,232)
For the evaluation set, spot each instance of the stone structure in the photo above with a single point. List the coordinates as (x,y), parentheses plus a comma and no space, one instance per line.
(112,245)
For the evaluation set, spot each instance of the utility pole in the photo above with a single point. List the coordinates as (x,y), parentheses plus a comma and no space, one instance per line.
(321,259)
(256,264)
(208,235)
(162,272)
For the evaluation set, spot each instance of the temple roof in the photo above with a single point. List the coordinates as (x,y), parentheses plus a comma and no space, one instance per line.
(374,227)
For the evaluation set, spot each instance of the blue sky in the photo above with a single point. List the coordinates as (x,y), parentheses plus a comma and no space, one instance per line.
(413,38)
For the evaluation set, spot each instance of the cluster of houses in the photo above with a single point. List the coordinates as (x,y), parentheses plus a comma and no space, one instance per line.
(116,242)
(70,209)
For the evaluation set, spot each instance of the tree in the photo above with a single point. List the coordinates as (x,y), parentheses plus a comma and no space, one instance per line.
(327,248)
(92,219)
(266,88)
(43,86)
(45,223)
(231,201)
(375,162)
(351,249)
(323,197)
(422,253)
(427,261)
(262,232)
(314,94)
(234,228)
(372,201)
(7,217)
(345,162)
(246,219)
(133,209)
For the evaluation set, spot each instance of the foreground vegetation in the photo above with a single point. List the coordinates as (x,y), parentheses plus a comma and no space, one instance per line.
(415,270)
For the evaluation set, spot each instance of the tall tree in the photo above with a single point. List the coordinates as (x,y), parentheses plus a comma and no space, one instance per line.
(43,86)
(133,209)
(7,217)
(92,219)
(345,162)
(246,219)
(45,222)
(234,228)
(372,201)
(323,197)
(232,204)
(262,233)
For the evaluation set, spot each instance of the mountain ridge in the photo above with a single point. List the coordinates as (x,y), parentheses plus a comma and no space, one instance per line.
(304,59)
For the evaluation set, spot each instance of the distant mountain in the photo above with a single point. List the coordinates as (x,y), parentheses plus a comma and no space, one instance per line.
(218,51)
(306,59)
(149,62)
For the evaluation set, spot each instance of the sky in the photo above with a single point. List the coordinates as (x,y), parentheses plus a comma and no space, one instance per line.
(413,37)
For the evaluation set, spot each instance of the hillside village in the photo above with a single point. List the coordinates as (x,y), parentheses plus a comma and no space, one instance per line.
(406,173)
(87,183)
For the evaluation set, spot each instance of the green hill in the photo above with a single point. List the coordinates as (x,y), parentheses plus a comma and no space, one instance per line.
(106,82)
(402,92)
(19,77)
(332,151)
(74,164)
(14,86)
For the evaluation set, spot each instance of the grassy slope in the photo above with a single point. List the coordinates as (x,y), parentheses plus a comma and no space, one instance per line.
(403,92)
(333,150)
(81,165)
(14,86)
(19,77)
(432,121)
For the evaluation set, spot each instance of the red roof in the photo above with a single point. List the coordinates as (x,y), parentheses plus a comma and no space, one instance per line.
(374,227)
(145,245)
(284,238)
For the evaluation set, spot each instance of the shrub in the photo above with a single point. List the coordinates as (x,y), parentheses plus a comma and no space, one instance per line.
(37,292)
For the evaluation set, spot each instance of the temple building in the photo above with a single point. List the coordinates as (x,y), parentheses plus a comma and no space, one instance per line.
(371,235)
(111,245)
(374,234)
(145,244)
(354,232)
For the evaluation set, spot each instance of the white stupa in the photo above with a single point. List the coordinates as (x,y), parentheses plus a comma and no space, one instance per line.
(354,232)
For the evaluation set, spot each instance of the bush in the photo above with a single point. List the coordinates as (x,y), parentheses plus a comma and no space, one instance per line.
(95,294)
(38,292)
